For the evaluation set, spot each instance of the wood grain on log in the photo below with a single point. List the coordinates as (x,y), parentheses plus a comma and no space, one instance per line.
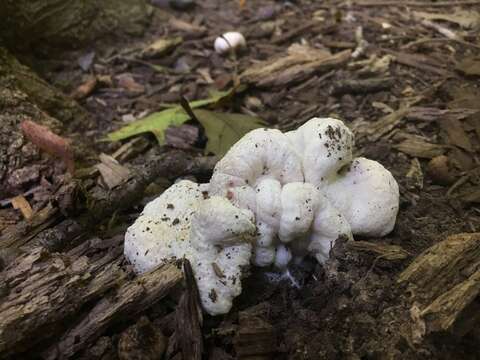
(445,281)
(129,300)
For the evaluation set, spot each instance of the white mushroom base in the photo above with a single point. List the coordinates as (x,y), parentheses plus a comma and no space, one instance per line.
(273,198)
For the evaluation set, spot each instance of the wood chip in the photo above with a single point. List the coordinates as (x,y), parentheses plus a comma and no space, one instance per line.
(113,174)
(299,64)
(20,203)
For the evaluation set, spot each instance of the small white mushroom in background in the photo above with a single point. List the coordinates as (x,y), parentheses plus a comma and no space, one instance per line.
(230,41)
(274,198)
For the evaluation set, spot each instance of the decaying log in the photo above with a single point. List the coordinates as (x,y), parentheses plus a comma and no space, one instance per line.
(445,282)
(42,290)
(126,302)
(101,203)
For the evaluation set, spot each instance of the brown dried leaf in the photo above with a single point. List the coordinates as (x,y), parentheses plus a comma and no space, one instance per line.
(127,82)
(49,142)
(113,174)
(469,66)
(19,202)
(456,134)
(161,47)
(416,147)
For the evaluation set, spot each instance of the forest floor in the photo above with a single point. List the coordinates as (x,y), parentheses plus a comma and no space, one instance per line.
(407,87)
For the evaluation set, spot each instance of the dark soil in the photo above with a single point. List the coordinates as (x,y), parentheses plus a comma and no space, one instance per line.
(353,308)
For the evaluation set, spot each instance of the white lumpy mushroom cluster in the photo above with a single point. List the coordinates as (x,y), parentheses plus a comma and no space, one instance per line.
(274,198)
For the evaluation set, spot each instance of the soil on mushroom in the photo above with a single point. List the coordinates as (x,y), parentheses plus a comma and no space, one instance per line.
(353,309)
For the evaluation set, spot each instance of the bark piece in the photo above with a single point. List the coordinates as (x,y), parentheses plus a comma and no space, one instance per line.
(382,251)
(300,63)
(445,281)
(188,338)
(361,86)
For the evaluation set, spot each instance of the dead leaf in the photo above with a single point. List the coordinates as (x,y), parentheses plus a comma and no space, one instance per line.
(187,27)
(158,122)
(467,96)
(127,82)
(49,142)
(469,66)
(20,203)
(161,47)
(86,61)
(112,172)
(223,129)
(417,147)
(456,133)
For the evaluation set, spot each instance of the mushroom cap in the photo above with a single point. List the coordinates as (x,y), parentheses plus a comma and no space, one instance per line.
(228,41)
(262,153)
(325,145)
(367,195)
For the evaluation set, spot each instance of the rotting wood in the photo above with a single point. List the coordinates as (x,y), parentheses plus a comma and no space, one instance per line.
(42,290)
(383,251)
(445,282)
(101,203)
(129,300)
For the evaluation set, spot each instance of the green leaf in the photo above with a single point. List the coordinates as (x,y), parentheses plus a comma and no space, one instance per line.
(158,122)
(223,129)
